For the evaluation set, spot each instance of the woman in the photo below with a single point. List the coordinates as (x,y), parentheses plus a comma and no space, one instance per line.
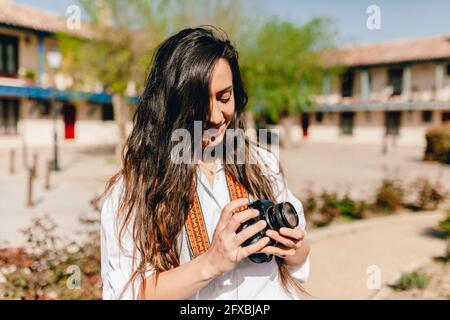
(147,248)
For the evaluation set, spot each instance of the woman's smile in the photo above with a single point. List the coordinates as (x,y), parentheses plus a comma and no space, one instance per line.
(213,134)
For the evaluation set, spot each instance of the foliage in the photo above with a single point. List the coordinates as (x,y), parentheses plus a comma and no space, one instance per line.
(118,48)
(282,69)
(408,281)
(445,224)
(323,209)
(47,266)
(438,144)
(389,196)
(427,195)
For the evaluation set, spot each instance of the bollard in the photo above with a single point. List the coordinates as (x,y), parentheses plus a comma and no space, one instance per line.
(47,174)
(35,163)
(12,160)
(24,155)
(29,203)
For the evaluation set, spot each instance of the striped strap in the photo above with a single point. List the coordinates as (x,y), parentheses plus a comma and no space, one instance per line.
(195,222)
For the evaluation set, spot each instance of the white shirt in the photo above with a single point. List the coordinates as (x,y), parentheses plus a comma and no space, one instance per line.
(247,280)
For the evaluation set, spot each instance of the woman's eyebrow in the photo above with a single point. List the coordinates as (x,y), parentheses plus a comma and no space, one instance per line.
(224,90)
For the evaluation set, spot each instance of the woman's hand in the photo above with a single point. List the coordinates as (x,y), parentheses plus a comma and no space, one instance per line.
(292,241)
(225,250)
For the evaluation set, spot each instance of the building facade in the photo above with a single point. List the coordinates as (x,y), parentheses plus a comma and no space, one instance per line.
(389,91)
(34,98)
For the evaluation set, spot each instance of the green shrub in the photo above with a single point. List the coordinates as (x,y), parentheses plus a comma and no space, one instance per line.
(445,224)
(323,209)
(351,209)
(408,281)
(438,144)
(329,208)
(46,267)
(427,195)
(389,196)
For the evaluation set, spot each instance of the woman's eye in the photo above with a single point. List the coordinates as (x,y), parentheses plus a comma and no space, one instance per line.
(224,99)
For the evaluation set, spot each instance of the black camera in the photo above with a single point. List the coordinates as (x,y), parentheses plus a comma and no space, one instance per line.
(277,216)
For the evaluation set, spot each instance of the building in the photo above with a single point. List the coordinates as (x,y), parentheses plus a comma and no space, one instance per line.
(390,91)
(29,88)
(394,90)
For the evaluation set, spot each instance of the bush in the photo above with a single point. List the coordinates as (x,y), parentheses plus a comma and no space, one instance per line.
(323,209)
(408,281)
(427,195)
(445,224)
(351,209)
(438,144)
(389,196)
(48,267)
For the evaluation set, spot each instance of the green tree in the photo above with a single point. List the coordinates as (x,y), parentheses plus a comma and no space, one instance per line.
(120,37)
(283,69)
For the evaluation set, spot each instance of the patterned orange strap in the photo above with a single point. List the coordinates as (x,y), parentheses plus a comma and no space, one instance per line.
(195,223)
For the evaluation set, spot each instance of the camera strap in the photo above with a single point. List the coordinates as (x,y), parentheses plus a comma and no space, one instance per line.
(197,234)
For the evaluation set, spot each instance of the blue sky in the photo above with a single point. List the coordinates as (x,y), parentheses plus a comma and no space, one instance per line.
(399,18)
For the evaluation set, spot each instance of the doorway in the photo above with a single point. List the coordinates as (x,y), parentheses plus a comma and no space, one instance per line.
(445,116)
(69,115)
(305,124)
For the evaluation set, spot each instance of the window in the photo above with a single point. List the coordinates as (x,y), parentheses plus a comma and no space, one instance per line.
(9,116)
(319,117)
(392,122)
(107,112)
(8,56)
(396,80)
(427,116)
(44,107)
(445,116)
(346,122)
(368,116)
(347,83)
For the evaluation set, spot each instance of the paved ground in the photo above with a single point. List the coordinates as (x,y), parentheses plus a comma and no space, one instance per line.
(357,168)
(339,258)
(82,177)
(346,259)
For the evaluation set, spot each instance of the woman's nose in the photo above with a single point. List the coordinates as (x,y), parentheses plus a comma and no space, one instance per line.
(216,115)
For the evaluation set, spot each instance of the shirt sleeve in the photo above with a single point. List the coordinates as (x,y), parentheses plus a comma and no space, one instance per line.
(117,261)
(271,168)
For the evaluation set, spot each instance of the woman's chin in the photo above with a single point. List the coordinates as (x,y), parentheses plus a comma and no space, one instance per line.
(213,143)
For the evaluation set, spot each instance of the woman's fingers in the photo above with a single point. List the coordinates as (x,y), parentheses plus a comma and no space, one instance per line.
(228,210)
(250,231)
(277,251)
(288,242)
(295,233)
(244,252)
(240,217)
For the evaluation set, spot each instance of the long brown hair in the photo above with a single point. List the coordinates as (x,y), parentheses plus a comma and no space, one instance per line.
(157,192)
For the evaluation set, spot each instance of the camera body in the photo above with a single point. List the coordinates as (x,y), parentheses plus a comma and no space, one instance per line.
(277,216)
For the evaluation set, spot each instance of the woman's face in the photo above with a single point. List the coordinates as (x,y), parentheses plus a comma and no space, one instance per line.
(221,104)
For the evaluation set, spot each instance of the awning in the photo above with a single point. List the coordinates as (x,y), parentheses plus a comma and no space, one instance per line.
(62,95)
(384,106)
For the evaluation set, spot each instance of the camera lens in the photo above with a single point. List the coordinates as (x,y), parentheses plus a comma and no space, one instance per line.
(286,215)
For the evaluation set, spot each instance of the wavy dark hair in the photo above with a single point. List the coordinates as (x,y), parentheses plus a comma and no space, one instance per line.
(156,191)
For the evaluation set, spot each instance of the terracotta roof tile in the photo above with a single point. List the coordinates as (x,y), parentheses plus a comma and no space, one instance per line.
(18,15)
(417,49)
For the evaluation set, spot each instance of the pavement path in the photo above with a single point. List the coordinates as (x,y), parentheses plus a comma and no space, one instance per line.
(341,254)
(345,257)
